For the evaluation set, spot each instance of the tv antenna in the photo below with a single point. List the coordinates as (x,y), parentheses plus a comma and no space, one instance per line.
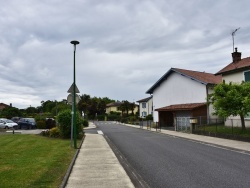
(233,33)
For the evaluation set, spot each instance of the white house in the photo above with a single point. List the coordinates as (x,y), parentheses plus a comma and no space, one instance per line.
(236,71)
(145,106)
(182,93)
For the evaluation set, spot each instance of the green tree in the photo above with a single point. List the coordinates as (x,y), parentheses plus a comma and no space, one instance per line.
(11,112)
(231,99)
(91,107)
(132,107)
(84,103)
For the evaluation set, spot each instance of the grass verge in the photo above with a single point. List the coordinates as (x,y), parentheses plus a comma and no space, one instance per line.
(33,160)
(226,130)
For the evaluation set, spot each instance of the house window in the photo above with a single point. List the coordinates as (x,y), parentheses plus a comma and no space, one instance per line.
(247,76)
(144,114)
(143,105)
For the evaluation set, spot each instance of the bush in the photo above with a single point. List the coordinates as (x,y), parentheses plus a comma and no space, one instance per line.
(41,124)
(64,120)
(45,133)
(100,117)
(85,123)
(149,117)
(124,120)
(113,117)
(54,132)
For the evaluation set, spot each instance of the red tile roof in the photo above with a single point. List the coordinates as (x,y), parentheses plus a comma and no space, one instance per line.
(202,77)
(236,66)
(178,107)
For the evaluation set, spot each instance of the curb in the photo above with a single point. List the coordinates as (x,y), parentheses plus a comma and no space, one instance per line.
(66,177)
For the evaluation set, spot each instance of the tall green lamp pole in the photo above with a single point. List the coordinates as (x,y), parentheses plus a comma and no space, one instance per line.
(74,42)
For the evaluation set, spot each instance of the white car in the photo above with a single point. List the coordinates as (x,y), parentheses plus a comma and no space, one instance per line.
(7,123)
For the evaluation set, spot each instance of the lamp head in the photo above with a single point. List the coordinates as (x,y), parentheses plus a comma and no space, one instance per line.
(75,42)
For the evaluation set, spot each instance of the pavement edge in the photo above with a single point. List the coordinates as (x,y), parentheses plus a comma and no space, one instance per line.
(66,177)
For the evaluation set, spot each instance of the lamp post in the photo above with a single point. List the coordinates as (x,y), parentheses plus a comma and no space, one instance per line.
(74,42)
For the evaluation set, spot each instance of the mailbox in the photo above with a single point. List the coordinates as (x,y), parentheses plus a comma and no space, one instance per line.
(193,120)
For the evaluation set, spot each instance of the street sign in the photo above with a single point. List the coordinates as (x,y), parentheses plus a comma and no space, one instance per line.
(69,99)
(71,89)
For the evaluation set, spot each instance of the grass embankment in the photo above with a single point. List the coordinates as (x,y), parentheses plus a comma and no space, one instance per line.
(33,160)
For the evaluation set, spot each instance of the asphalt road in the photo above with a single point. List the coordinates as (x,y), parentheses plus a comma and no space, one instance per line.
(165,161)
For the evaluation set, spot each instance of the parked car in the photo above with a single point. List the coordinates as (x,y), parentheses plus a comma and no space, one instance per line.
(27,123)
(7,124)
(15,119)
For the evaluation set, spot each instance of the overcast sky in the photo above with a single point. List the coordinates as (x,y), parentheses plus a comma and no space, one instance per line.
(125,45)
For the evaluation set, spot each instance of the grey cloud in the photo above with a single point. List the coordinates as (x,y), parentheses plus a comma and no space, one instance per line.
(125,46)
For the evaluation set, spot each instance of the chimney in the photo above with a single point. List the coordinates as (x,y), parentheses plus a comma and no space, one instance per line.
(10,104)
(236,56)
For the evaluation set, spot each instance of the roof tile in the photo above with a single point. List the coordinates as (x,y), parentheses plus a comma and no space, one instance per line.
(178,107)
(234,66)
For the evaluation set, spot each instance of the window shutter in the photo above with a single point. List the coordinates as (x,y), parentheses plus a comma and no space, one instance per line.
(247,76)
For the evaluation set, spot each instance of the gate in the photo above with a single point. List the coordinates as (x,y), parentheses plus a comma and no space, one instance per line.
(183,124)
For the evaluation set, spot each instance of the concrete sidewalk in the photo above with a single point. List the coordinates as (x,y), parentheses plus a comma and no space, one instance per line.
(97,166)
(233,144)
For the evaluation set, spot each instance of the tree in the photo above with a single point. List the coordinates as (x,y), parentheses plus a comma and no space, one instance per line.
(10,112)
(132,107)
(93,106)
(231,99)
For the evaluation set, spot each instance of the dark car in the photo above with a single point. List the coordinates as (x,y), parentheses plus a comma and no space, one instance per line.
(26,123)
(15,119)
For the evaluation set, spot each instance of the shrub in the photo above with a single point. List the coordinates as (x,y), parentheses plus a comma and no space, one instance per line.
(41,124)
(85,123)
(113,117)
(124,120)
(64,120)
(45,133)
(54,132)
(101,117)
(149,117)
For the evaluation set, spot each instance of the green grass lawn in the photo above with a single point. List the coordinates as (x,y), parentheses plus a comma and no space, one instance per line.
(33,160)
(226,130)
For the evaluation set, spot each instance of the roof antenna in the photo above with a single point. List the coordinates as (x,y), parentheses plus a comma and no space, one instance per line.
(233,33)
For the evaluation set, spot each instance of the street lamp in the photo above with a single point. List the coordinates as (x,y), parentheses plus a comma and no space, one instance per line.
(74,42)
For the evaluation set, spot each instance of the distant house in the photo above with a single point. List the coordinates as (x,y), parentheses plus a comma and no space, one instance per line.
(2,106)
(145,106)
(236,71)
(115,107)
(182,93)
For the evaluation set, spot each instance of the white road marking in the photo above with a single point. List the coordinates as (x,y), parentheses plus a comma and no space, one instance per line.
(99,132)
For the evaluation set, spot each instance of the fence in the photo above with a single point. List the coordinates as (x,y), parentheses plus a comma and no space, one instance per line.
(230,129)
(183,123)
(150,124)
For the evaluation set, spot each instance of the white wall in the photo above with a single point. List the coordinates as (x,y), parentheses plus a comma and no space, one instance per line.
(235,77)
(178,89)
